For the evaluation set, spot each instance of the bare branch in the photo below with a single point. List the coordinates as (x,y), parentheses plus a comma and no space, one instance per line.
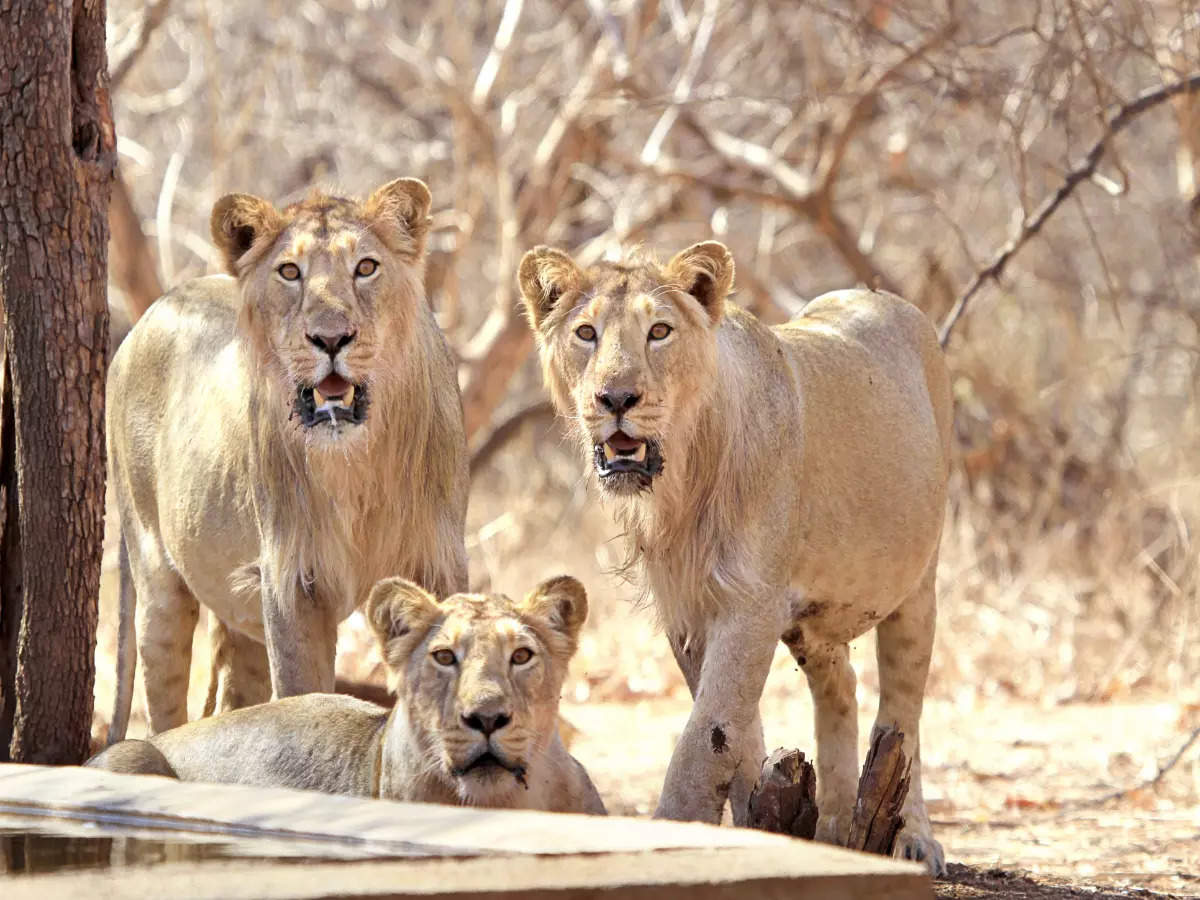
(155,15)
(495,58)
(868,97)
(131,261)
(507,430)
(1116,123)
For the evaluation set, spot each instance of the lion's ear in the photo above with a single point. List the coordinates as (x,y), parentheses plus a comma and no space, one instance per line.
(238,222)
(545,274)
(400,614)
(705,271)
(401,208)
(562,602)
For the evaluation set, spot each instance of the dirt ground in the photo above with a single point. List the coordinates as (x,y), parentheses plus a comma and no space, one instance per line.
(1012,787)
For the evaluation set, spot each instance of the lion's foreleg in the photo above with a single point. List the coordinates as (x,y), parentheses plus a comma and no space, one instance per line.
(301,638)
(723,733)
(689,655)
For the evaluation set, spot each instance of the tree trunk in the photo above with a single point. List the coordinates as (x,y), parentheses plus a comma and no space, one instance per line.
(57,156)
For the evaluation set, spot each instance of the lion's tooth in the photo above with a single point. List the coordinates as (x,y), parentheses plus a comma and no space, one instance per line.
(609,453)
(318,398)
(348,397)
(640,455)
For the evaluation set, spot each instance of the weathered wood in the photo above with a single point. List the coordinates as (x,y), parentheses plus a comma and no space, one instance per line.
(418,850)
(881,792)
(785,799)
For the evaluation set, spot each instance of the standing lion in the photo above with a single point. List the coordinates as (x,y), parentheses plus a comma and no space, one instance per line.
(279,441)
(776,484)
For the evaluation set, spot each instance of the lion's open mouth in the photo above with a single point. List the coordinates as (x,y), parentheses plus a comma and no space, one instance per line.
(333,399)
(632,458)
(488,762)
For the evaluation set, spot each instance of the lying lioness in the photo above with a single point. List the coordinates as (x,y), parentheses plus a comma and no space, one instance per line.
(477,679)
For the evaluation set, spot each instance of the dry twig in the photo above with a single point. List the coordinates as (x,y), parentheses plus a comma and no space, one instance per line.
(155,15)
(1147,785)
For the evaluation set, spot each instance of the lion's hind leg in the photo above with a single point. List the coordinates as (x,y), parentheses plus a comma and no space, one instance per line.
(166,620)
(133,758)
(903,649)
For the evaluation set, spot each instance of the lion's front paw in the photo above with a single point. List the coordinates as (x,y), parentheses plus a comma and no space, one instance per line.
(917,843)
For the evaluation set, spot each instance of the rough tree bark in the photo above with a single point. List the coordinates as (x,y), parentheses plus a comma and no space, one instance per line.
(57,156)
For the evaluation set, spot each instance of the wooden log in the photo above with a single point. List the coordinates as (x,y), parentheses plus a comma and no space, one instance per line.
(881,792)
(785,799)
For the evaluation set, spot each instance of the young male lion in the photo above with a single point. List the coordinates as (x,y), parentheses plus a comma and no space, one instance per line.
(477,679)
(279,441)
(775,483)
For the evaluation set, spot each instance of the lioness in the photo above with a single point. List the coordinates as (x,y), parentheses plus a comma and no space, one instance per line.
(279,441)
(477,679)
(775,483)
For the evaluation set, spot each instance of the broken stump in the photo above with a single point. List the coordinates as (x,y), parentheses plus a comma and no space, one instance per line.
(785,799)
(881,792)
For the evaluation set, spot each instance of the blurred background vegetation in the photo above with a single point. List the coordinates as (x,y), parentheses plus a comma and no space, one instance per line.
(828,144)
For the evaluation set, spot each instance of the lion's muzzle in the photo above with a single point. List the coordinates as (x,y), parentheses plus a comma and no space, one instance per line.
(623,461)
(332,400)
(488,764)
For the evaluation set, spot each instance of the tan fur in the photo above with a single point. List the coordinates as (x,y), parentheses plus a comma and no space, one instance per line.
(416,751)
(227,499)
(801,498)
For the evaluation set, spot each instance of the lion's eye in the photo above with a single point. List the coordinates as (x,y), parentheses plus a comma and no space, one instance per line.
(521,656)
(289,272)
(444,657)
(585,333)
(659,331)
(366,268)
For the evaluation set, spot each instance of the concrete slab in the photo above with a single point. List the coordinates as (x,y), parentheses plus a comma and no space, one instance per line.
(415,850)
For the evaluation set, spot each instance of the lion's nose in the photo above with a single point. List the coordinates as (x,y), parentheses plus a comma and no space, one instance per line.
(486,722)
(618,401)
(331,343)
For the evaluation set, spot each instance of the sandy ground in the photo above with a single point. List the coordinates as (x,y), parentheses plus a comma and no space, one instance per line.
(1010,786)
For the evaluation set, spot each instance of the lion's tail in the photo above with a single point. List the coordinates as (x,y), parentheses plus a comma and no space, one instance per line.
(126,649)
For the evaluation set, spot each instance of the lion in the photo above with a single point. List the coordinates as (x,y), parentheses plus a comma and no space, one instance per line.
(477,679)
(279,440)
(783,483)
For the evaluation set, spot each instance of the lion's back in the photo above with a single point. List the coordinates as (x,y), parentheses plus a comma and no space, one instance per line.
(868,343)
(180,334)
